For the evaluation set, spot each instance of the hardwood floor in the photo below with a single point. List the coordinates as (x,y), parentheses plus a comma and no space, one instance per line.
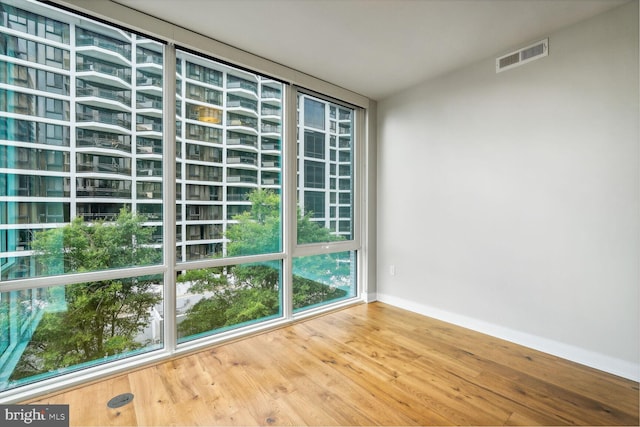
(365,365)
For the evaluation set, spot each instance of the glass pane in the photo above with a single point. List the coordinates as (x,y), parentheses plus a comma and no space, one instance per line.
(228,178)
(80,145)
(322,279)
(325,171)
(214,300)
(46,332)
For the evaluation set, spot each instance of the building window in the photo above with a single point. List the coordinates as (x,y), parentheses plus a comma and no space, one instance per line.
(314,203)
(314,173)
(314,144)
(313,113)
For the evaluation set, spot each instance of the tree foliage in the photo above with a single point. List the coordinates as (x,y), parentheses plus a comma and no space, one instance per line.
(246,292)
(101,318)
(257,230)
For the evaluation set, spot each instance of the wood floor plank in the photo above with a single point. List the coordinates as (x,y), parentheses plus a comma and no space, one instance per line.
(477,350)
(327,361)
(441,370)
(369,364)
(88,405)
(376,392)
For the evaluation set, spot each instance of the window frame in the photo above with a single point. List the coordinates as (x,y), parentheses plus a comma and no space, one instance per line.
(298,250)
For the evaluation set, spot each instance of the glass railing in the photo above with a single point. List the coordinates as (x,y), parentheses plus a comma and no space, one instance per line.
(242,160)
(149,59)
(103,168)
(121,73)
(270,164)
(101,142)
(103,192)
(242,178)
(84,39)
(270,181)
(103,118)
(104,93)
(271,128)
(242,84)
(238,120)
(149,81)
(270,111)
(271,94)
(149,127)
(237,139)
(157,105)
(236,102)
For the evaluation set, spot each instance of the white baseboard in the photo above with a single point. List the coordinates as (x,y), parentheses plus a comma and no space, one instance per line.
(370,297)
(589,358)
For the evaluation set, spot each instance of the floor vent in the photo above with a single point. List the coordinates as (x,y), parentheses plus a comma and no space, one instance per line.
(522,56)
(120,400)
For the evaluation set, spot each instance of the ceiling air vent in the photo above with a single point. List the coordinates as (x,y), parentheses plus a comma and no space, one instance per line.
(522,56)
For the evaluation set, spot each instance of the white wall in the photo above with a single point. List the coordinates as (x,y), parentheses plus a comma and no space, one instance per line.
(510,203)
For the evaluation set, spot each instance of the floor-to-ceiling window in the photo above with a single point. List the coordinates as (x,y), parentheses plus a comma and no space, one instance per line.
(231,207)
(81,261)
(153,198)
(324,268)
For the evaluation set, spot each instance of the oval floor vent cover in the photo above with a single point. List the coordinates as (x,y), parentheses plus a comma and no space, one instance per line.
(120,400)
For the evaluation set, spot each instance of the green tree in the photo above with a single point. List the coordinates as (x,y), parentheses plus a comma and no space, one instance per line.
(230,304)
(254,291)
(101,318)
(257,230)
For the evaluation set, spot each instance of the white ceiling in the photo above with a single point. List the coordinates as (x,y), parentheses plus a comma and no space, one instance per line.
(374,47)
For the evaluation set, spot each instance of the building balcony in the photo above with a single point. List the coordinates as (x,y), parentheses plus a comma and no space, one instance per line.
(148,171)
(242,121)
(270,164)
(149,127)
(238,102)
(204,157)
(154,194)
(243,179)
(90,217)
(149,59)
(112,95)
(242,160)
(272,94)
(103,168)
(271,111)
(204,114)
(243,140)
(149,104)
(271,128)
(269,145)
(105,74)
(149,146)
(270,181)
(204,177)
(148,83)
(104,119)
(239,84)
(344,142)
(111,193)
(86,38)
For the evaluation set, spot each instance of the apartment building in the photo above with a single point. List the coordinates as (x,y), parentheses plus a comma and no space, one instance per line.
(82,134)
